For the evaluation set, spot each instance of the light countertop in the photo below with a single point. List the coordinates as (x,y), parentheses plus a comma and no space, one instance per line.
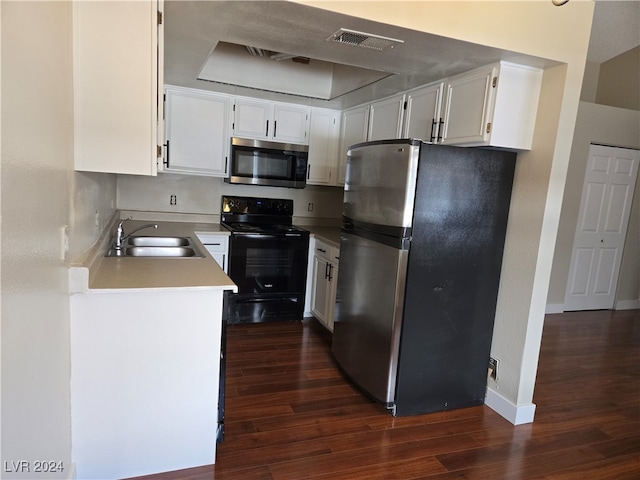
(328,234)
(106,273)
(101,273)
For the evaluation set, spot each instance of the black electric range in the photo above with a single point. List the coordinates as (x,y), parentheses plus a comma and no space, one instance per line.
(267,259)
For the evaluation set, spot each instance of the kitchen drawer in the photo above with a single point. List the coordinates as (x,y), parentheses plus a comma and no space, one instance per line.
(218,246)
(326,250)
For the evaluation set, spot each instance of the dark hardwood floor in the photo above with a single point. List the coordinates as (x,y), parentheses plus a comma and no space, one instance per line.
(291,415)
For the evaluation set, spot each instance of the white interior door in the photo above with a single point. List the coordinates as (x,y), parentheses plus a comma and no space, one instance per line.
(602,225)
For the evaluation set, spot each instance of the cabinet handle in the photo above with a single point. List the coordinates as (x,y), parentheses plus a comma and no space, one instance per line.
(326,270)
(330,271)
(266,133)
(321,250)
(308,171)
(433,125)
(226,162)
(275,127)
(166,160)
(440,129)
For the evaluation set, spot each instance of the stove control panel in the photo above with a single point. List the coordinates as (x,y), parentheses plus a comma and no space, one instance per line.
(256,206)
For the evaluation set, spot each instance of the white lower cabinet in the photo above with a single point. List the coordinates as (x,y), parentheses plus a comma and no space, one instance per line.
(145,367)
(324,280)
(218,246)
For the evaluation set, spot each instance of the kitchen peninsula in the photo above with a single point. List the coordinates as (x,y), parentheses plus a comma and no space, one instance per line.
(145,358)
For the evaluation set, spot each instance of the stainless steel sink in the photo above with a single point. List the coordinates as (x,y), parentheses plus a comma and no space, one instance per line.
(158,241)
(163,247)
(160,252)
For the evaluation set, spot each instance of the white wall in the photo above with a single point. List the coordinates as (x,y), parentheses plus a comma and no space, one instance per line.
(203,195)
(609,126)
(40,195)
(37,149)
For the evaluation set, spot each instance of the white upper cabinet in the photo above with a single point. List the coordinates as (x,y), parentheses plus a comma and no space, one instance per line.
(324,131)
(353,129)
(385,118)
(198,131)
(422,116)
(494,105)
(272,121)
(116,85)
(291,123)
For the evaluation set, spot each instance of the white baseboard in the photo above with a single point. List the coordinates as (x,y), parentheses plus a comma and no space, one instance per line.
(620,305)
(627,304)
(516,414)
(554,308)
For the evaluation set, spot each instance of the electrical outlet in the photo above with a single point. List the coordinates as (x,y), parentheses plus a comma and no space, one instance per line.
(173,200)
(310,207)
(493,368)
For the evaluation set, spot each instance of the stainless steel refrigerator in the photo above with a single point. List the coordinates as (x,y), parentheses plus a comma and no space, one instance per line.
(420,258)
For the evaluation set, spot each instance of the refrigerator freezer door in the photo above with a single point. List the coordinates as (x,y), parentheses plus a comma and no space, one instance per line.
(381,182)
(368,314)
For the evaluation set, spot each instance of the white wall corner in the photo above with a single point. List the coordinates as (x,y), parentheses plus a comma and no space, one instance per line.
(516,414)
(554,308)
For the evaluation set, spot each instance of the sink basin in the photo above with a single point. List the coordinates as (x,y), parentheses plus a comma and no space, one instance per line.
(172,247)
(155,251)
(158,241)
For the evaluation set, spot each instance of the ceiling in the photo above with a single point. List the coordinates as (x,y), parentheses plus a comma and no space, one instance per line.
(194,28)
(615,29)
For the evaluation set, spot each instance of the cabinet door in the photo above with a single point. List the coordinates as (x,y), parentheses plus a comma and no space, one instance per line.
(467,107)
(320,291)
(290,123)
(217,246)
(116,86)
(197,132)
(353,129)
(331,297)
(385,118)
(423,116)
(323,147)
(252,118)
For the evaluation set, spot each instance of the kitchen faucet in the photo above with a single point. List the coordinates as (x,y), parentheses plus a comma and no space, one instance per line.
(120,237)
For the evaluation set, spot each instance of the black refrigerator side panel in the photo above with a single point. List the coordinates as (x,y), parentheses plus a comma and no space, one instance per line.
(460,221)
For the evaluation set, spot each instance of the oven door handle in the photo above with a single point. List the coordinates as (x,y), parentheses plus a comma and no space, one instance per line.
(266,236)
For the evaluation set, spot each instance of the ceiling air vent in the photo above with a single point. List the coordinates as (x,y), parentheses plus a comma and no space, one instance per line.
(361,39)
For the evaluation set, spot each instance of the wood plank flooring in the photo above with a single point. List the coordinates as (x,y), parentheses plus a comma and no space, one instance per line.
(291,415)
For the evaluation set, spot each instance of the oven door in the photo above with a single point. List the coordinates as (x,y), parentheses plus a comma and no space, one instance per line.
(270,272)
(265,263)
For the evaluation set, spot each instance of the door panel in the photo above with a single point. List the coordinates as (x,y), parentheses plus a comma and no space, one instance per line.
(368,313)
(602,226)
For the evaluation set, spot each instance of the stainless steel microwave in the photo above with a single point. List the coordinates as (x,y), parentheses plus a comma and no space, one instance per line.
(258,162)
